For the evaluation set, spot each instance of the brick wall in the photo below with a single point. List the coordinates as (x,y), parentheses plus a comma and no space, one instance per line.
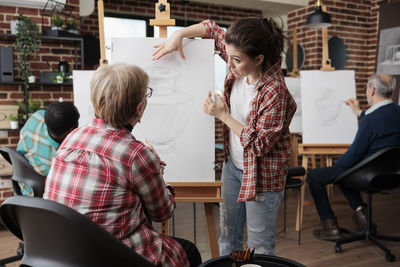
(354,21)
(49,55)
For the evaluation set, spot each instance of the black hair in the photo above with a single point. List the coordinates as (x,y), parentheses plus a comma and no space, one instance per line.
(61,118)
(258,36)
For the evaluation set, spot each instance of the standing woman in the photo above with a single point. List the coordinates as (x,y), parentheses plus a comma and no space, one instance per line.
(256,111)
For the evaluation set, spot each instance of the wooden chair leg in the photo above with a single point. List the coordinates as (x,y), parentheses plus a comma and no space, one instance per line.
(300,203)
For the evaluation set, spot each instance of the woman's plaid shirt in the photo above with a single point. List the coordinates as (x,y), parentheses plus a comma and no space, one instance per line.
(106,174)
(266,137)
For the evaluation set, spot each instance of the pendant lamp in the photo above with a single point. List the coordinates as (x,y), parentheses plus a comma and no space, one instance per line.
(319,19)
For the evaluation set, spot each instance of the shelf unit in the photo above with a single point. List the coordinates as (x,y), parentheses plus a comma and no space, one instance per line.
(77,41)
(58,40)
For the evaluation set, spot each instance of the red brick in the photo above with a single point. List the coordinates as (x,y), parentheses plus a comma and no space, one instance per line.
(16,95)
(28,11)
(41,95)
(14,141)
(3,141)
(7,9)
(8,194)
(13,133)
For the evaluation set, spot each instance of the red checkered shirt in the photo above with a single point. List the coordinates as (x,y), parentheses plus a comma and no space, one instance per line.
(106,174)
(266,137)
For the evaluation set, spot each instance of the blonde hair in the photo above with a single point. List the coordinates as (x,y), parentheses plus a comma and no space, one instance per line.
(116,90)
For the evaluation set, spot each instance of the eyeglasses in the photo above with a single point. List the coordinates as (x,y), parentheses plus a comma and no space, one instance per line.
(149,92)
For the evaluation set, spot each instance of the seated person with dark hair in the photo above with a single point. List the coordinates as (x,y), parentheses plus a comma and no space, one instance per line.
(379,128)
(43,133)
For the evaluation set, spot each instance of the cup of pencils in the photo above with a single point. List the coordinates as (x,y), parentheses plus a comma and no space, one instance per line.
(240,258)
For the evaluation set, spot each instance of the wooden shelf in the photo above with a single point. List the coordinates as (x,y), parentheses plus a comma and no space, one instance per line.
(61,39)
(33,84)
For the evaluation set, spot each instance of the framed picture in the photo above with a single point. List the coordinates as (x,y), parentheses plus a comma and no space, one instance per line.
(388,49)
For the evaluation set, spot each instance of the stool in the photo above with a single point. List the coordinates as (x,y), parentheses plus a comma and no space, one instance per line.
(292,183)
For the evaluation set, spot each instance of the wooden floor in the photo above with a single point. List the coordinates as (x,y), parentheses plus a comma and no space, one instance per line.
(311,252)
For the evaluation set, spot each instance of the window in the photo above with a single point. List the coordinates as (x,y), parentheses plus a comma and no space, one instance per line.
(122,27)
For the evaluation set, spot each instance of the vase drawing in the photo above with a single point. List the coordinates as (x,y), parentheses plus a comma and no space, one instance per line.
(327,107)
(168,109)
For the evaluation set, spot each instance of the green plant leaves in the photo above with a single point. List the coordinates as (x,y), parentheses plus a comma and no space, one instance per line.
(27,42)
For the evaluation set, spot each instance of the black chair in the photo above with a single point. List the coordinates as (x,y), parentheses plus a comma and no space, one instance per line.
(56,235)
(293,183)
(259,259)
(23,172)
(379,172)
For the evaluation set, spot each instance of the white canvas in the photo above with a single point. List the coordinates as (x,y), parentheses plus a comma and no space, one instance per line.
(81,87)
(326,119)
(293,85)
(173,121)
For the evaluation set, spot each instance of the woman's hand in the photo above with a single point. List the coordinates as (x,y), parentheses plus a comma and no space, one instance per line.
(170,45)
(217,109)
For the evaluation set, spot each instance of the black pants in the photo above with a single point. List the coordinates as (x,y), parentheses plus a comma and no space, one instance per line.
(191,250)
(317,180)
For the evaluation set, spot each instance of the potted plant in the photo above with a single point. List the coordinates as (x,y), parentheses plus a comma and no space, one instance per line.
(27,42)
(72,26)
(57,22)
(33,106)
(58,77)
(13,121)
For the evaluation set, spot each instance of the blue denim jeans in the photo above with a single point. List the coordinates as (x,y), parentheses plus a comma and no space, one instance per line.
(261,216)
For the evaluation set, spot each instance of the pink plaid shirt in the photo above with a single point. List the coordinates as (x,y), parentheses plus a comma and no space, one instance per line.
(266,137)
(106,174)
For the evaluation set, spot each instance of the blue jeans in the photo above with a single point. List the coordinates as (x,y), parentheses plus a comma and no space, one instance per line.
(317,180)
(261,216)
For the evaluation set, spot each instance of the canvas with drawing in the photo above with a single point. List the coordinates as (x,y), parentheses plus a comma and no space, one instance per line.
(326,119)
(293,85)
(173,121)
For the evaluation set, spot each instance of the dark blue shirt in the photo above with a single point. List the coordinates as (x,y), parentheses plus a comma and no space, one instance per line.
(377,130)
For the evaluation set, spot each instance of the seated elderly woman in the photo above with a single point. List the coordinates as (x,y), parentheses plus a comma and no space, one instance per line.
(102,171)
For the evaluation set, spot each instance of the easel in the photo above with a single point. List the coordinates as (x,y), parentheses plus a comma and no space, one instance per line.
(199,192)
(294,73)
(326,61)
(186,192)
(190,192)
(295,69)
(162,19)
(202,192)
(325,150)
(100,13)
(307,151)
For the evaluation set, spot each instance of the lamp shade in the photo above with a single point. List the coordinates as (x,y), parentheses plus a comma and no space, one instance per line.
(318,19)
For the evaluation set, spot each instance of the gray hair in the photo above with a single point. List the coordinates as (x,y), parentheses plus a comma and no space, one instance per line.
(384,84)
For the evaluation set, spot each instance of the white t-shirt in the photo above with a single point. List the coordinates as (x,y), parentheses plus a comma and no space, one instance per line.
(242,96)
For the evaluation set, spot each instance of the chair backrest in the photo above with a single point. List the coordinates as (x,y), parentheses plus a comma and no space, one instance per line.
(58,236)
(380,171)
(296,171)
(23,172)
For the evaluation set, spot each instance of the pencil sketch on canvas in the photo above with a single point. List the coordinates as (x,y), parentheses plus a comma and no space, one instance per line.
(388,60)
(81,87)
(293,85)
(173,122)
(326,119)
